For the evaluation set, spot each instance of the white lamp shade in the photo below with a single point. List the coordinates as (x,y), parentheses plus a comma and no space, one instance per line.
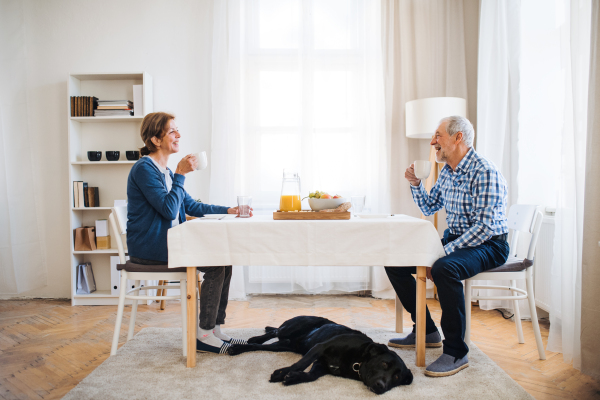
(423,116)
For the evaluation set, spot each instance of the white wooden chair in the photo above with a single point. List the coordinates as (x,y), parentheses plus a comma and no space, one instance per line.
(138,272)
(521,218)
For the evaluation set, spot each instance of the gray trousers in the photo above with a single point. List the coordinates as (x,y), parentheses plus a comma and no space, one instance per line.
(213,296)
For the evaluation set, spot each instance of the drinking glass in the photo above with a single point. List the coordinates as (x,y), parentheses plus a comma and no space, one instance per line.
(358,203)
(244,203)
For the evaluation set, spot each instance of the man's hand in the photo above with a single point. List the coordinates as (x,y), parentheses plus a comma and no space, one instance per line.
(187,164)
(428,273)
(411,177)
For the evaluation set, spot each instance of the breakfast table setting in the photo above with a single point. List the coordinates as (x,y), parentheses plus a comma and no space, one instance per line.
(329,234)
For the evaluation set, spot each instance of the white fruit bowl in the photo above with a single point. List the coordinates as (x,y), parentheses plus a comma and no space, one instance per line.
(324,204)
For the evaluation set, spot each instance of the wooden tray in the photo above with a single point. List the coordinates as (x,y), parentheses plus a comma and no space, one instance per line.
(305,215)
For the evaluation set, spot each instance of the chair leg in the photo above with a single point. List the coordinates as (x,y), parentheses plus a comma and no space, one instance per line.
(517,313)
(133,312)
(163,303)
(115,341)
(468,311)
(534,317)
(159,292)
(198,306)
(182,290)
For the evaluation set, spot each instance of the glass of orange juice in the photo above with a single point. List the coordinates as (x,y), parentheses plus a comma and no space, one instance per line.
(290,192)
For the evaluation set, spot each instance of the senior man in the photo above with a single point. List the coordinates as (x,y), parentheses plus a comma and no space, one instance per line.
(474,194)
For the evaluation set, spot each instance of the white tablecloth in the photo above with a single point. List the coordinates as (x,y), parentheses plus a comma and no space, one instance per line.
(394,241)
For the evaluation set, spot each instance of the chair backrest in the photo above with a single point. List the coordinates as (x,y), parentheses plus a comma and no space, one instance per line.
(524,218)
(118,222)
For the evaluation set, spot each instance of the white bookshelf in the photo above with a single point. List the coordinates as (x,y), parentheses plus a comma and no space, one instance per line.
(101,134)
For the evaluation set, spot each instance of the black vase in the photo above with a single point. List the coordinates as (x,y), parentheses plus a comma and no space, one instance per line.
(113,155)
(132,155)
(94,155)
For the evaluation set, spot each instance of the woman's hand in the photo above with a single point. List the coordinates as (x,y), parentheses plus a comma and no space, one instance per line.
(236,210)
(187,164)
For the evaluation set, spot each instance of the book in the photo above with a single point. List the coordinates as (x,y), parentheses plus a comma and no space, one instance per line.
(96,197)
(76,194)
(114,102)
(93,197)
(86,197)
(107,113)
(81,188)
(138,94)
(113,108)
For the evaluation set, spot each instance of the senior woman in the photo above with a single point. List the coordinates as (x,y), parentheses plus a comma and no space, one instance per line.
(157,201)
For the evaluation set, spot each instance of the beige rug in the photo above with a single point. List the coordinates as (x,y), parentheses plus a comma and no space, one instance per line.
(150,366)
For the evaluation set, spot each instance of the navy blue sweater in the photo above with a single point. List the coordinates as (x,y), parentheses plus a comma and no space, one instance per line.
(151,209)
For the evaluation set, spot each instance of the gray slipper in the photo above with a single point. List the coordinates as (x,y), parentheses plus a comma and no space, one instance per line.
(446,365)
(432,340)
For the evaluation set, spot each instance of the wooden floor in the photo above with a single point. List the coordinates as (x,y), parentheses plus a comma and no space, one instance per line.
(47,346)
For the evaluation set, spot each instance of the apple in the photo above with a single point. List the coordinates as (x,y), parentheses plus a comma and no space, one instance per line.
(326,196)
(337,196)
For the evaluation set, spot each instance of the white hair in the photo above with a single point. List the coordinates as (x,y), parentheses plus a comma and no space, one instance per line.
(456,124)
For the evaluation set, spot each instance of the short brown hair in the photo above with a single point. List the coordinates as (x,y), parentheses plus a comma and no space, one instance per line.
(154,125)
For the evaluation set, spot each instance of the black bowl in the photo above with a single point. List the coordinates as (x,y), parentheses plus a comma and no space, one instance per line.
(94,155)
(132,155)
(113,155)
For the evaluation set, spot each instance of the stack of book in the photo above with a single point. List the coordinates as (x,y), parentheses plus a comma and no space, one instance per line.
(114,108)
(83,106)
(85,196)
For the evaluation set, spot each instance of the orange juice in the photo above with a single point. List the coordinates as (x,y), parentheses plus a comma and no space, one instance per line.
(290,203)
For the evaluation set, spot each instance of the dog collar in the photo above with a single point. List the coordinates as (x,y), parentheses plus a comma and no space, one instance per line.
(356,368)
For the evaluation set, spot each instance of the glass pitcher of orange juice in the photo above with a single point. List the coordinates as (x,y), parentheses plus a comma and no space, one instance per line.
(290,191)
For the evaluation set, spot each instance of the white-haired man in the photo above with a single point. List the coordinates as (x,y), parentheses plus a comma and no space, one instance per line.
(474,194)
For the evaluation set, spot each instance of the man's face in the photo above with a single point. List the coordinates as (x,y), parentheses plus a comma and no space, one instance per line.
(445,145)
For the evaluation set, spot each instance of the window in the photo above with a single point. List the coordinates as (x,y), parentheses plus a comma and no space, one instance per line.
(303,84)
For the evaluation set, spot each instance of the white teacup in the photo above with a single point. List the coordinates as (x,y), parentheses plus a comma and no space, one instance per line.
(202,160)
(422,169)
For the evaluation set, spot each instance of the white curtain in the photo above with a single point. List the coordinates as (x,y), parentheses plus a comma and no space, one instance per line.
(543,154)
(424,56)
(498,104)
(298,84)
(565,313)
(22,264)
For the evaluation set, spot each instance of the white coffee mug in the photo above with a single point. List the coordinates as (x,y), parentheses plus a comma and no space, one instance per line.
(202,160)
(422,169)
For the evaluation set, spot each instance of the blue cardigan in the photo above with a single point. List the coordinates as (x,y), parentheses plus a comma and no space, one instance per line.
(151,209)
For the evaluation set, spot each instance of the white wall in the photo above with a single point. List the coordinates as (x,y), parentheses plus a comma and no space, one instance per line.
(169,40)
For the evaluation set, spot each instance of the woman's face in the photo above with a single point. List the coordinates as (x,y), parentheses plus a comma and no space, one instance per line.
(170,142)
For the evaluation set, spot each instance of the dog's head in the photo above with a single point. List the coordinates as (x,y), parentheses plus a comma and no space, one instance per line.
(382,369)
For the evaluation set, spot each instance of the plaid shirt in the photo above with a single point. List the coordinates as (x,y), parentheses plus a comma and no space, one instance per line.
(475,199)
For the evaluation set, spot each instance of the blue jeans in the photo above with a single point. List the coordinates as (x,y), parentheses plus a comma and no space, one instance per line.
(448,272)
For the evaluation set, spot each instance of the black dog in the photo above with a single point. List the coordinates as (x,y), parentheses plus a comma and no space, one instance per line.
(331,349)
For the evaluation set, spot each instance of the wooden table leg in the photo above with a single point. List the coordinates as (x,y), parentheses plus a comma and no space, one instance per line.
(421,304)
(191,316)
(399,316)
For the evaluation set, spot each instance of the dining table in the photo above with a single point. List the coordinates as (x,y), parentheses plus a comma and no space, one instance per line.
(365,240)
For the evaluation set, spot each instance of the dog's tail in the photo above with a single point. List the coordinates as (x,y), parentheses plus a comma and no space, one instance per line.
(270,329)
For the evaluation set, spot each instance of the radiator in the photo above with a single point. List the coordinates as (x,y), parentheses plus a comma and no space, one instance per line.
(543,263)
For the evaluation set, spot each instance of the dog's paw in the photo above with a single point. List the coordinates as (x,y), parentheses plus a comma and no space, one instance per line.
(235,349)
(279,374)
(294,377)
